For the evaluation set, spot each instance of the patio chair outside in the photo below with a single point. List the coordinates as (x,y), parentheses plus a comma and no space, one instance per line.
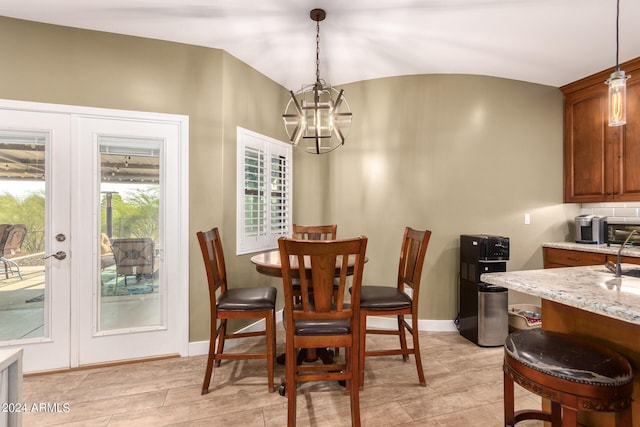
(134,257)
(11,238)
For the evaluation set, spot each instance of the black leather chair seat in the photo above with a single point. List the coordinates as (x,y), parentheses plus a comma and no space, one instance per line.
(383,298)
(322,326)
(248,299)
(568,357)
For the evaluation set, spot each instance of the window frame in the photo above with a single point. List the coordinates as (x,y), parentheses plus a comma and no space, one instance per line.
(268,227)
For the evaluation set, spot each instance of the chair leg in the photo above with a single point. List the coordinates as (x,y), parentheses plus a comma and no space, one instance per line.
(221,335)
(347,383)
(336,350)
(291,385)
(624,418)
(210,358)
(271,344)
(6,269)
(361,353)
(569,418)
(403,337)
(556,414)
(416,350)
(509,407)
(354,386)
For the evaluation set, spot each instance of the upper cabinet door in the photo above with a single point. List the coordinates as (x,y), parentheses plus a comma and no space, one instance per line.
(601,162)
(627,180)
(586,149)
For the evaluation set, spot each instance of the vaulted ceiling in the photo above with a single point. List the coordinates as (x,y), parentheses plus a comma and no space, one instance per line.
(552,42)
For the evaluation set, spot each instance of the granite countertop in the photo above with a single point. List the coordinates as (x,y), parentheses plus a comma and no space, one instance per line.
(633,251)
(591,288)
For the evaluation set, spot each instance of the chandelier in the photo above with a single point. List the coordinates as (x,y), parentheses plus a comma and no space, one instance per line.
(317,114)
(617,86)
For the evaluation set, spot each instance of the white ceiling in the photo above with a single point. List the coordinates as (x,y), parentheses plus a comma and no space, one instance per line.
(551,42)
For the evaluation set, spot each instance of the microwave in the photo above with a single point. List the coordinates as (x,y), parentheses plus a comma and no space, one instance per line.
(617,232)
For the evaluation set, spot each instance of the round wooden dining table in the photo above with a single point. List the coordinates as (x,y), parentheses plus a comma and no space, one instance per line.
(269,263)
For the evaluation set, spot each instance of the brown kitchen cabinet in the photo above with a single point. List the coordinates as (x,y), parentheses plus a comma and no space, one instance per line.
(601,162)
(557,258)
(624,259)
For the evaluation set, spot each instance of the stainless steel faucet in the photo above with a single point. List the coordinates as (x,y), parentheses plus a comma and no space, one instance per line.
(618,268)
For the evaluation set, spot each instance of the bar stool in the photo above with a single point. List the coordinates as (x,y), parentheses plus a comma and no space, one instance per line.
(573,373)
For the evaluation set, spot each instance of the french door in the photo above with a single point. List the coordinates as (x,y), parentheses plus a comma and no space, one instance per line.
(35,293)
(111,266)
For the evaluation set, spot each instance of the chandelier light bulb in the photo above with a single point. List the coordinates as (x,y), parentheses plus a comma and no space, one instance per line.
(617,98)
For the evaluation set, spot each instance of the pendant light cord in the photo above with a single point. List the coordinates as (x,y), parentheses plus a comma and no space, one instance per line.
(617,34)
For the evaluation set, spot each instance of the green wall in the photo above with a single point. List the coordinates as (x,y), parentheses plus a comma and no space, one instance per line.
(455,154)
(64,65)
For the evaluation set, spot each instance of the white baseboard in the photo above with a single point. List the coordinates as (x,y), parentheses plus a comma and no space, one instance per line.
(198,348)
(424,325)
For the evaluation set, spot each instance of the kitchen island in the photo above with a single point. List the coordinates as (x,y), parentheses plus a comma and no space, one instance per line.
(588,301)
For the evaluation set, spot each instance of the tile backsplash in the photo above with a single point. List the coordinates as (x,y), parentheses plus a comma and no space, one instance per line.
(614,211)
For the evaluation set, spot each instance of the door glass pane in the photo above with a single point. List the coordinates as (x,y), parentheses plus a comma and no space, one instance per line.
(131,291)
(22,235)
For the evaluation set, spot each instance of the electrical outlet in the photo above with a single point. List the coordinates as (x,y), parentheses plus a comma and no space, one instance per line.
(527,219)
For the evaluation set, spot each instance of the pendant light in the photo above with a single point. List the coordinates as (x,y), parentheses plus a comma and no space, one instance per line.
(617,86)
(318,114)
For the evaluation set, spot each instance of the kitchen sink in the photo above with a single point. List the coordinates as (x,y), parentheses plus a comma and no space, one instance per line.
(631,273)
(611,266)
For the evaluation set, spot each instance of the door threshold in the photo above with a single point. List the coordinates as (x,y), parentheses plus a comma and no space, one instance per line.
(102,365)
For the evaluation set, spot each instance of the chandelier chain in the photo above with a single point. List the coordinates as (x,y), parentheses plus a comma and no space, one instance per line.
(318,52)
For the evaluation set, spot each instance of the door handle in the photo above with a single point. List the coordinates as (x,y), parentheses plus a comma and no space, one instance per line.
(60,255)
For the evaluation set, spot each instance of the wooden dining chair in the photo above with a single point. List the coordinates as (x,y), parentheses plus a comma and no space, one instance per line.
(315,232)
(234,303)
(322,321)
(395,301)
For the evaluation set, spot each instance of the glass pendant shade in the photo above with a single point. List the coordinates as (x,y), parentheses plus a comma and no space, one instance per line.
(617,98)
(319,116)
(617,85)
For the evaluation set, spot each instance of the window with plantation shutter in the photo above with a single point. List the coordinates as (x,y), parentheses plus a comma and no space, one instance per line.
(264,192)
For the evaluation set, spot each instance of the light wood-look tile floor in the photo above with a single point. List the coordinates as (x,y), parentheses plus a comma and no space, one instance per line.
(464,388)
